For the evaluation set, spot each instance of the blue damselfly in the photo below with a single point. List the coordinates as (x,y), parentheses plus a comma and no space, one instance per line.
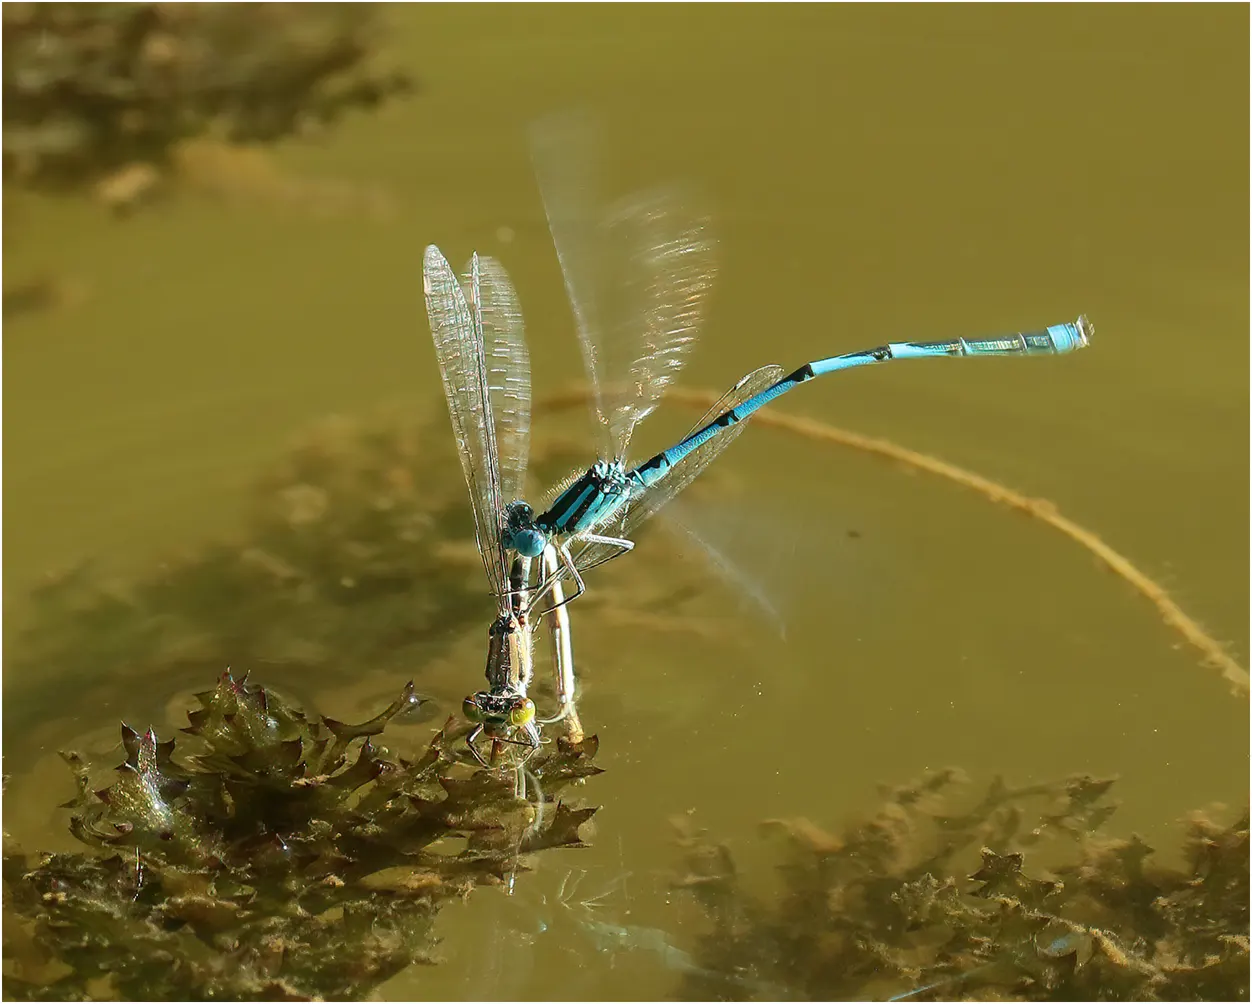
(638,277)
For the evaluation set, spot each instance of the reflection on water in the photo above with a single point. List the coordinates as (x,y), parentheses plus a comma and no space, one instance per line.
(995,166)
(565,935)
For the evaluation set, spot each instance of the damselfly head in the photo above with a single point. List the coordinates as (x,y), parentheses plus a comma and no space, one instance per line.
(499,714)
(519,514)
(519,532)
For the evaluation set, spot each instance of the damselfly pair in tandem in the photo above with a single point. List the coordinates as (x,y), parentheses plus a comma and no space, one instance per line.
(638,276)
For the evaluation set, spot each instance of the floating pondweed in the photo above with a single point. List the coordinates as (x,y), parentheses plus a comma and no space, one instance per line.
(284,857)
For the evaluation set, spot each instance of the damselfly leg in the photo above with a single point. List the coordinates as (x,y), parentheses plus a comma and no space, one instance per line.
(562,653)
(569,568)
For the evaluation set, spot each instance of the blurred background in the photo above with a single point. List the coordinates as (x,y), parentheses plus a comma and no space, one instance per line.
(216,242)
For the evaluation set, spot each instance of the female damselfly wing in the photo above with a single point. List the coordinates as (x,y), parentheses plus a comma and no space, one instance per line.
(508,375)
(464,317)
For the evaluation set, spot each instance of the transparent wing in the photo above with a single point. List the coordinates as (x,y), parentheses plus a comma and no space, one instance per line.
(689,468)
(662,254)
(457,330)
(508,375)
(637,275)
(646,503)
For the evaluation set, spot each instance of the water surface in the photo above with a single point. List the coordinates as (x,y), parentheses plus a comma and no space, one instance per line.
(877,173)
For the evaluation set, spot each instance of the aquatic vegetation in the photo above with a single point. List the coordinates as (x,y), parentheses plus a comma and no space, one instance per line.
(227,852)
(39,293)
(92,88)
(284,857)
(355,560)
(1018,897)
(132,101)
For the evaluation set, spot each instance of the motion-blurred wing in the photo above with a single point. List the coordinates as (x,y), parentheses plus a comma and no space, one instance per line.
(637,276)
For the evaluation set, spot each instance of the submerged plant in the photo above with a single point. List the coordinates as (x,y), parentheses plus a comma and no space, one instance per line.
(1000,901)
(92,88)
(273,855)
(285,858)
(344,567)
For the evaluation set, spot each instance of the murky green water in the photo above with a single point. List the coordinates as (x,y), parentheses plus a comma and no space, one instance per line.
(878,173)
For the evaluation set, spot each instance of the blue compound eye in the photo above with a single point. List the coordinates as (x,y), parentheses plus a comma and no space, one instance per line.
(529,543)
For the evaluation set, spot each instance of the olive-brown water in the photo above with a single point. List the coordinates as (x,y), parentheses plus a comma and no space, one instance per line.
(878,173)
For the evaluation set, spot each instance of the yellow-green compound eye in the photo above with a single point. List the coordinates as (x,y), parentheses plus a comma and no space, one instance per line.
(471,710)
(522,712)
